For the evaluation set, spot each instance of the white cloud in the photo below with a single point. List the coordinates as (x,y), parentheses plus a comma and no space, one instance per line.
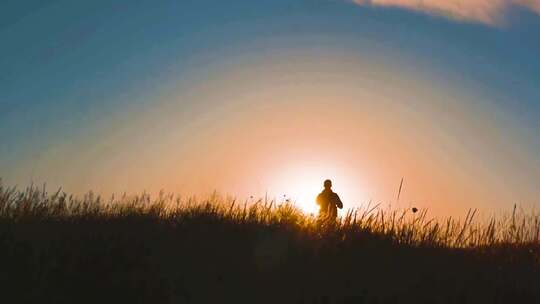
(484,11)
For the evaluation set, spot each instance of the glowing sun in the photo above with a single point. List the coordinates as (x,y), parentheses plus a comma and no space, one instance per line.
(302,183)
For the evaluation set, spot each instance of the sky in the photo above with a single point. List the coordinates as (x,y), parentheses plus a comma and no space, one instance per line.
(271,97)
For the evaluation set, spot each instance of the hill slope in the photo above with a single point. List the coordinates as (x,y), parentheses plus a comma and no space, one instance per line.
(58,249)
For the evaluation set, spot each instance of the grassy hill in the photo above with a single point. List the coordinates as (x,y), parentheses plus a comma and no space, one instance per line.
(56,248)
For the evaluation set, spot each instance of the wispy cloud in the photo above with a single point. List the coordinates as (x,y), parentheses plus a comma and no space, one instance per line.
(484,11)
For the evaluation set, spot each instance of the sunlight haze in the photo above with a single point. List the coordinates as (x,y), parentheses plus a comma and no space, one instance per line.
(287,94)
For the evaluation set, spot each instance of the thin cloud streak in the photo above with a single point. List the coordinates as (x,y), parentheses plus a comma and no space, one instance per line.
(483,11)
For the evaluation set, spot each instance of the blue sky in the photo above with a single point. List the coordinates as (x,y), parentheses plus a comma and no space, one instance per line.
(72,68)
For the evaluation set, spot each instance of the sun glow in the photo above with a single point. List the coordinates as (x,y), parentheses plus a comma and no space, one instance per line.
(302,183)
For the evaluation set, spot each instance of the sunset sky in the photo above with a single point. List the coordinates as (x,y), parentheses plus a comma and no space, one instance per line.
(272,96)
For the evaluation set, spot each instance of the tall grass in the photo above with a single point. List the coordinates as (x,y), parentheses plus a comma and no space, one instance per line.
(59,248)
(399,226)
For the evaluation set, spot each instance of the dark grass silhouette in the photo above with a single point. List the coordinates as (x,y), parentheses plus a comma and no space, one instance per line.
(59,249)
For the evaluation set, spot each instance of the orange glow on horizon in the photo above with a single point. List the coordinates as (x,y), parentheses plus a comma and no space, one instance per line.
(283,125)
(302,181)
